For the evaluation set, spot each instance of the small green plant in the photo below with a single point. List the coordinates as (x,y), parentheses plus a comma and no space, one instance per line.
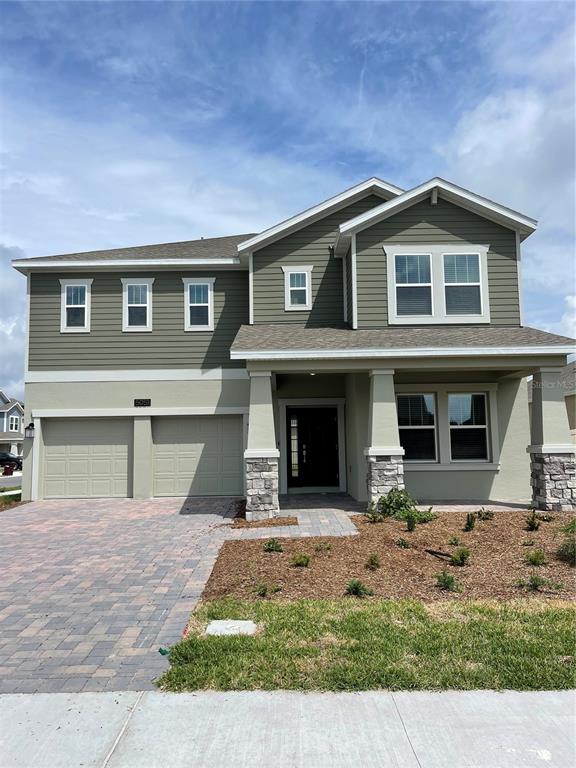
(356,588)
(535,583)
(397,501)
(470,521)
(301,560)
(373,514)
(532,521)
(446,582)
(453,541)
(373,563)
(535,557)
(570,528)
(410,522)
(403,544)
(567,551)
(272,545)
(263,589)
(485,514)
(323,546)
(460,556)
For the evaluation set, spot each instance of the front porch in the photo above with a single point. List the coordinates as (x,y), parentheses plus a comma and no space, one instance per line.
(453,434)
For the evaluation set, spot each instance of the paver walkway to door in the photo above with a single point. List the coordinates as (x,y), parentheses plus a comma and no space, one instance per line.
(89,590)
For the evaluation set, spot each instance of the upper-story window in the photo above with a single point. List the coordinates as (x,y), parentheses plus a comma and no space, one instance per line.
(137,303)
(297,288)
(14,424)
(198,303)
(437,284)
(75,305)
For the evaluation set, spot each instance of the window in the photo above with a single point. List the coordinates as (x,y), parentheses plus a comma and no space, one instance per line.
(462,289)
(297,288)
(417,426)
(437,284)
(14,424)
(137,303)
(413,284)
(199,304)
(468,427)
(75,306)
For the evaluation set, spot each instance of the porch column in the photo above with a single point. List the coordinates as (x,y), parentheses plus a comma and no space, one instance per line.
(384,454)
(261,455)
(552,459)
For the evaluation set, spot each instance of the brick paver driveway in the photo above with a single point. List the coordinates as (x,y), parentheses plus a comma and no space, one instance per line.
(90,589)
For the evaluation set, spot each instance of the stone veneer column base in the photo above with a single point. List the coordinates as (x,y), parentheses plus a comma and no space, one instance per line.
(553,481)
(384,474)
(262,488)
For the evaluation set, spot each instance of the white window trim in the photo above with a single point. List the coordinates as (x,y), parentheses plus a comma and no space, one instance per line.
(434,426)
(84,283)
(148,282)
(188,281)
(443,452)
(436,254)
(17,423)
(288,307)
(485,427)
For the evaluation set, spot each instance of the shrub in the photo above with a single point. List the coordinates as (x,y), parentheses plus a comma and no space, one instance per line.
(358,589)
(453,541)
(536,557)
(470,521)
(373,514)
(532,522)
(570,528)
(446,582)
(396,502)
(272,545)
(485,514)
(410,522)
(323,546)
(567,551)
(403,544)
(373,563)
(301,560)
(263,589)
(536,582)
(460,556)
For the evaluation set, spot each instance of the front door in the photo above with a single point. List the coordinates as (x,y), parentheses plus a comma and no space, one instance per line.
(312,450)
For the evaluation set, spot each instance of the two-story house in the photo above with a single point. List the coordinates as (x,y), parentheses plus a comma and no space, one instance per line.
(11,425)
(370,342)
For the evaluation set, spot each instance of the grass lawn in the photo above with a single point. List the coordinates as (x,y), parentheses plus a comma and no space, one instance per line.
(353,644)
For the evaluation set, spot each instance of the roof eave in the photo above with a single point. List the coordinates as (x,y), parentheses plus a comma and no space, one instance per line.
(28,265)
(507,217)
(293,224)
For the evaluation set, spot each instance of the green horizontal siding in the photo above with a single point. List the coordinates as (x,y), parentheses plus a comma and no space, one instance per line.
(424,224)
(309,246)
(107,347)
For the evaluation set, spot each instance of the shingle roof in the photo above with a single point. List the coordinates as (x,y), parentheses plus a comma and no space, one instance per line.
(207,248)
(293,338)
(10,404)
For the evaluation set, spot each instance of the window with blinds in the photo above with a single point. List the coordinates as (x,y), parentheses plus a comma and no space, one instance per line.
(417,426)
(413,284)
(462,289)
(467,416)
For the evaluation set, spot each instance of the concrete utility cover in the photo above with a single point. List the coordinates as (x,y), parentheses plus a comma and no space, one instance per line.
(231,627)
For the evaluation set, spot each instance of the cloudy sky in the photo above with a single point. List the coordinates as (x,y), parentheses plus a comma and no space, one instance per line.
(130,123)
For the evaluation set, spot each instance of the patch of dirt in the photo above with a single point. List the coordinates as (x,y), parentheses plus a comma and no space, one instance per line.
(497,549)
(11,505)
(241,522)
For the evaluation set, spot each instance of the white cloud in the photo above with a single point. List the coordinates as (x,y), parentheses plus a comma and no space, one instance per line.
(12,324)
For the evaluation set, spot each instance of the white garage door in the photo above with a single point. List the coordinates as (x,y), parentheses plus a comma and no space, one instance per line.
(198,456)
(86,458)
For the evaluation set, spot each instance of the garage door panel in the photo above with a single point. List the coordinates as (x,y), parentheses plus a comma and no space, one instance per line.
(198,456)
(86,458)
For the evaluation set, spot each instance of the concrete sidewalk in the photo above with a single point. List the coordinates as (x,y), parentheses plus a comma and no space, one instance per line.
(476,729)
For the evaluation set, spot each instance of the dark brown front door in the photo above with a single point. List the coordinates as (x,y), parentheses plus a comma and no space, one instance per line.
(312,450)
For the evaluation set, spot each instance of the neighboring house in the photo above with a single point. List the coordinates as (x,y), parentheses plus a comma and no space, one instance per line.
(11,425)
(372,341)
(568,385)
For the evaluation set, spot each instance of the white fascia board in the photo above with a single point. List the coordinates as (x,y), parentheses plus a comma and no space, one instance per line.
(74,413)
(338,354)
(451,192)
(135,374)
(295,222)
(24,265)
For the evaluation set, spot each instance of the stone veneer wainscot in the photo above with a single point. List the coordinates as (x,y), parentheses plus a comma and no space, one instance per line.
(261,488)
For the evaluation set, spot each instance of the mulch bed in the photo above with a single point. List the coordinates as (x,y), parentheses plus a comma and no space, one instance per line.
(271,522)
(497,549)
